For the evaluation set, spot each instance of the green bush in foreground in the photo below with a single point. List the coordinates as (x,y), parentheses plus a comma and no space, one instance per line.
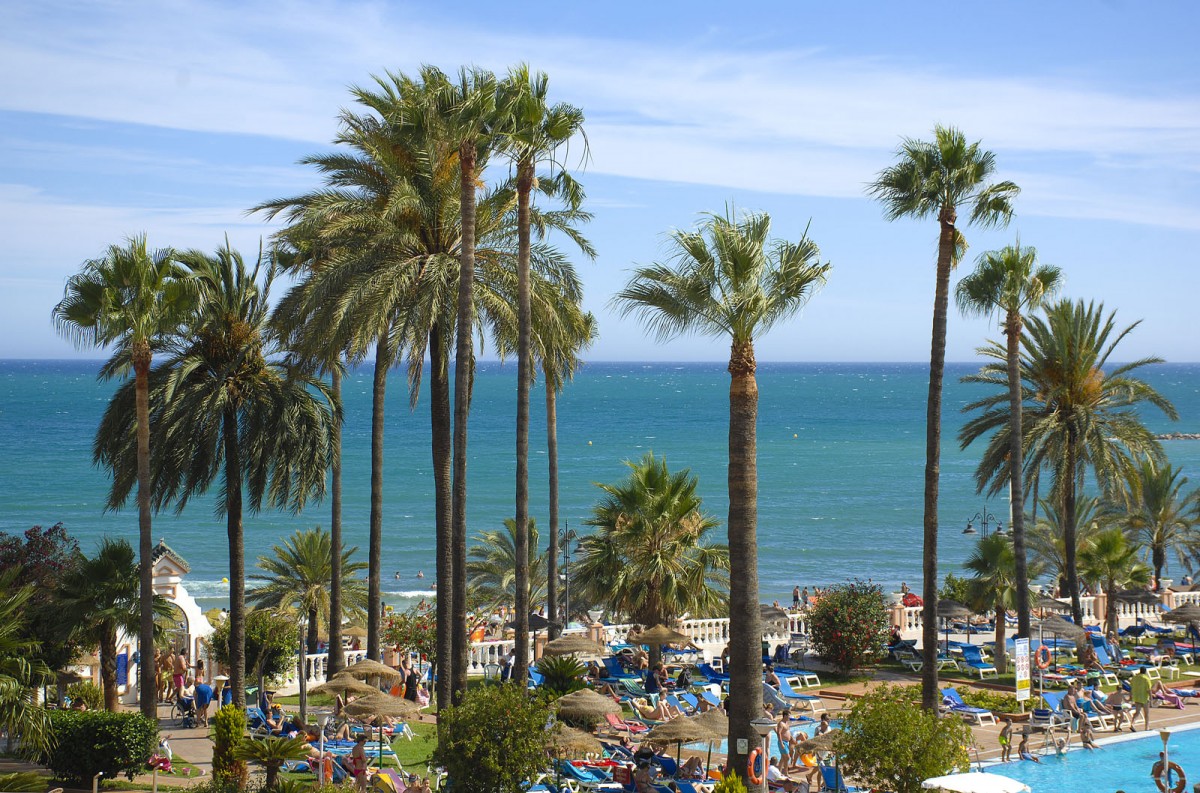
(493,741)
(890,742)
(563,674)
(88,742)
(732,783)
(229,727)
(849,624)
(22,782)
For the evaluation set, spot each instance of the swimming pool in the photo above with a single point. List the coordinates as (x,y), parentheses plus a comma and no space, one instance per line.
(1120,764)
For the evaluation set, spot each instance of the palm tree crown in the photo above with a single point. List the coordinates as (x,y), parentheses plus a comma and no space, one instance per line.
(492,567)
(1110,560)
(1159,516)
(298,577)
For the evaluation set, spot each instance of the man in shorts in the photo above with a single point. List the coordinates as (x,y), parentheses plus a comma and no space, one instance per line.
(179,667)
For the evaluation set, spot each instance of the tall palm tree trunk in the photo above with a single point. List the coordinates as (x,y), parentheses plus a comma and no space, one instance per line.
(337,660)
(464,355)
(1001,656)
(108,668)
(745,634)
(237,554)
(930,696)
(552,554)
(439,419)
(375,541)
(147,693)
(313,636)
(1016,484)
(1069,533)
(524,186)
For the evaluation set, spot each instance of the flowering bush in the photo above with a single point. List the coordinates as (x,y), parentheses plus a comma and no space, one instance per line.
(414,629)
(849,624)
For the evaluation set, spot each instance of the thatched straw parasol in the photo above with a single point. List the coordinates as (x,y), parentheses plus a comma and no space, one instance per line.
(562,739)
(717,724)
(1057,626)
(537,622)
(354,630)
(87,660)
(572,644)
(952,610)
(381,706)
(1187,614)
(367,668)
(679,731)
(585,704)
(1044,603)
(820,743)
(1142,596)
(772,613)
(345,685)
(660,634)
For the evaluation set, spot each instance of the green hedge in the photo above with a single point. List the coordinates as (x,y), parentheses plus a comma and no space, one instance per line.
(88,742)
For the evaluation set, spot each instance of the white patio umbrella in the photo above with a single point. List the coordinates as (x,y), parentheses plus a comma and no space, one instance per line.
(975,782)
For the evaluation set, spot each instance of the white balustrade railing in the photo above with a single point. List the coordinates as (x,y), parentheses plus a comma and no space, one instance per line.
(316,668)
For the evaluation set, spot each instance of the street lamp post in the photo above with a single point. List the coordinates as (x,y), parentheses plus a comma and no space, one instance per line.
(764,727)
(1165,735)
(985,519)
(568,537)
(303,669)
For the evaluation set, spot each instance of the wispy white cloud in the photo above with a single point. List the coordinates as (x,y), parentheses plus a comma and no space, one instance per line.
(803,121)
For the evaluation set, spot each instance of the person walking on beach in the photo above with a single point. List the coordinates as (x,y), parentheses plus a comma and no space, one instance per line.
(796,596)
(1139,694)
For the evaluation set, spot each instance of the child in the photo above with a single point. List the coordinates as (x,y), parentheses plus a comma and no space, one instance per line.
(1006,740)
(1023,749)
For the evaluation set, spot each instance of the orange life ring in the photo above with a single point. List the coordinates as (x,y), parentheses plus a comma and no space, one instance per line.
(1164,773)
(1042,657)
(751,774)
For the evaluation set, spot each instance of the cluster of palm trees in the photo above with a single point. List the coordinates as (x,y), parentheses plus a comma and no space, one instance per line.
(404,253)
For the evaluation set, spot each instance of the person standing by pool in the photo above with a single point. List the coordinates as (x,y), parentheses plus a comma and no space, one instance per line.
(1139,694)
(1006,740)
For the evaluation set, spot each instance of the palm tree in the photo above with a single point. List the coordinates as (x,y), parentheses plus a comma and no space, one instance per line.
(492,566)
(468,114)
(648,559)
(100,596)
(1046,539)
(21,715)
(1111,560)
(301,251)
(130,298)
(1011,281)
(933,179)
(297,577)
(532,131)
(1081,417)
(994,585)
(272,754)
(558,347)
(730,279)
(1158,516)
(231,406)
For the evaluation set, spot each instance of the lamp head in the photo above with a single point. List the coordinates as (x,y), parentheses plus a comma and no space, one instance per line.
(1166,736)
(763,726)
(970,529)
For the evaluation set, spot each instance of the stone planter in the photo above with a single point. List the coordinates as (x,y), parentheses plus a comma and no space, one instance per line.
(1016,718)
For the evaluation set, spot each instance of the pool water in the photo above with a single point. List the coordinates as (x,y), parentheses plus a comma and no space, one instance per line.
(1123,764)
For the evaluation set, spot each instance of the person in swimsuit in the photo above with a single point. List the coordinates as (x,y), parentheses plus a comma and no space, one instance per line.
(1006,741)
(358,763)
(1023,749)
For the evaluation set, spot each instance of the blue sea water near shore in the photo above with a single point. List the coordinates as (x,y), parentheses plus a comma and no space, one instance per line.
(841,460)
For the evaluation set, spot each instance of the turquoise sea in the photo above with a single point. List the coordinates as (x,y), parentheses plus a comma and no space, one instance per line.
(841,456)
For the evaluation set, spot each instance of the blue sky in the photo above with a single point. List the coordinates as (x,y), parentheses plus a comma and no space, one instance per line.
(173,117)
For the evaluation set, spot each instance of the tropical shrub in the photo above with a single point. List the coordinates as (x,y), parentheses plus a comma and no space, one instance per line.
(270,644)
(229,727)
(732,783)
(890,742)
(849,624)
(271,754)
(563,674)
(992,700)
(493,741)
(22,782)
(88,693)
(955,588)
(88,742)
